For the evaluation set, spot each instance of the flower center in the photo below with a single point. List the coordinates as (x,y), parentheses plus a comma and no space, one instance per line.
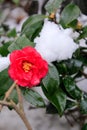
(26,66)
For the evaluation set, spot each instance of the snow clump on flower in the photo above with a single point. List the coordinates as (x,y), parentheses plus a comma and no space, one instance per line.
(55,43)
(4,62)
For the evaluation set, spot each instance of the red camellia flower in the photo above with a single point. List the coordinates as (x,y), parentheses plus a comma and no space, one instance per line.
(27,67)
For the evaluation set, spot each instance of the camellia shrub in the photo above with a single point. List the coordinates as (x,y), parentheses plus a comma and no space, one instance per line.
(50,52)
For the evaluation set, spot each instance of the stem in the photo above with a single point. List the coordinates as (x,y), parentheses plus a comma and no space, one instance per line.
(5,103)
(20,110)
(20,99)
(7,94)
(22,115)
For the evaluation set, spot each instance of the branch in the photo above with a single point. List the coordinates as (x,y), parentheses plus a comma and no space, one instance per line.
(21,114)
(11,103)
(5,103)
(20,99)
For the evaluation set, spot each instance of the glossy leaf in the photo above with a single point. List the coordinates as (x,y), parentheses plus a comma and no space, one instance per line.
(12,33)
(83,34)
(51,81)
(69,14)
(53,5)
(71,88)
(70,104)
(58,99)
(83,104)
(83,59)
(73,24)
(73,66)
(5,82)
(4,49)
(19,43)
(61,66)
(33,97)
(32,24)
(69,67)
(81,55)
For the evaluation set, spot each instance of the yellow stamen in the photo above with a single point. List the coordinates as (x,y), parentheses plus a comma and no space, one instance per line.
(52,15)
(79,25)
(26,66)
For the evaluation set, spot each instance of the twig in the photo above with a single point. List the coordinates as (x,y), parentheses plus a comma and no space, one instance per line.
(20,99)
(5,103)
(10,90)
(22,115)
(20,110)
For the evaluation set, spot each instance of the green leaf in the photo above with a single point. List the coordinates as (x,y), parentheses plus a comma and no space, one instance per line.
(12,33)
(33,97)
(69,67)
(14,96)
(58,99)
(19,43)
(73,66)
(84,127)
(32,24)
(1,1)
(53,5)
(50,86)
(81,55)
(71,88)
(5,82)
(83,33)
(70,104)
(51,81)
(73,24)
(69,14)
(83,104)
(4,49)
(61,66)
(16,1)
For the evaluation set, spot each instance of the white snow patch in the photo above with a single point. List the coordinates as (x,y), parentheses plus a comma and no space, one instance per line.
(4,62)
(55,43)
